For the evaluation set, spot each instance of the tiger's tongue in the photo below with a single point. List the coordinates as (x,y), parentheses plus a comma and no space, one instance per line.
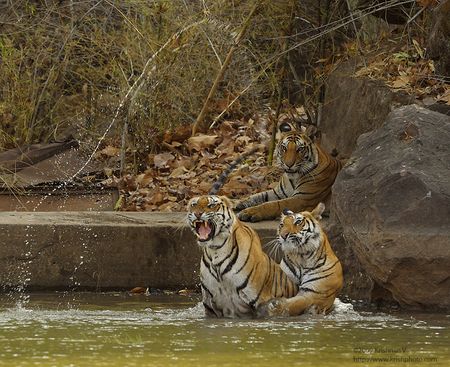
(204,231)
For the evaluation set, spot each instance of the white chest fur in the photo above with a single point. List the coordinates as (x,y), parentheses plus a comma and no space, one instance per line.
(224,283)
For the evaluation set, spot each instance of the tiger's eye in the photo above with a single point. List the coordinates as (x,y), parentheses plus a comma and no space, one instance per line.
(284,127)
(299,221)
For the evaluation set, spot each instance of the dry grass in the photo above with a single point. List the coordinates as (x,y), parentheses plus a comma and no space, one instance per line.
(67,67)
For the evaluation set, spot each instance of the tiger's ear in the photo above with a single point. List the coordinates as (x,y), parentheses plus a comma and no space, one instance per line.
(226,201)
(318,210)
(286,211)
(313,133)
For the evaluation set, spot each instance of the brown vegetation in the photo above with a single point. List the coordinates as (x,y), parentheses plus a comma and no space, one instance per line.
(129,78)
(67,67)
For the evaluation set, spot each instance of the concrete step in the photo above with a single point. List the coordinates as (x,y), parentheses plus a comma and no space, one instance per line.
(101,250)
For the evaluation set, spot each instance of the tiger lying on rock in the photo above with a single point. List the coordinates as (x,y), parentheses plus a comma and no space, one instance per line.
(309,173)
(309,261)
(236,275)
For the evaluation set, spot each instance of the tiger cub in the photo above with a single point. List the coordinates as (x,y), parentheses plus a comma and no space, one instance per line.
(236,276)
(309,261)
(309,173)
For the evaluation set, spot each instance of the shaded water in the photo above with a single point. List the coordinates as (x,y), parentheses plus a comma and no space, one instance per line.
(123,330)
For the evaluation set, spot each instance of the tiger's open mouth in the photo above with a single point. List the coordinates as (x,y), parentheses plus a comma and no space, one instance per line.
(204,230)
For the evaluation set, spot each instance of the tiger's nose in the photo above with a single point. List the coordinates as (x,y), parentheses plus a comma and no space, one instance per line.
(198,214)
(284,234)
(290,155)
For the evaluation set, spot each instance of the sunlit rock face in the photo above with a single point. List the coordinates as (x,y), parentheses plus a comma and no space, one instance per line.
(393,202)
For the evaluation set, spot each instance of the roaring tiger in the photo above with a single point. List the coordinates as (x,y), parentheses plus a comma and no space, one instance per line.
(309,261)
(236,275)
(309,173)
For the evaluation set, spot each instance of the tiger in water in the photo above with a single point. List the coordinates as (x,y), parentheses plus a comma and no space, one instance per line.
(308,259)
(236,276)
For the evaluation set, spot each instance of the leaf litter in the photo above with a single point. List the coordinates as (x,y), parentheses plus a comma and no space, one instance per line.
(188,166)
(410,71)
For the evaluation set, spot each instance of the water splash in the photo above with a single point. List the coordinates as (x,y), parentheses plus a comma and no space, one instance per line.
(21,279)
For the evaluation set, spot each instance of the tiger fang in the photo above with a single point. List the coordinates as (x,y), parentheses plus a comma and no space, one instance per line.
(204,230)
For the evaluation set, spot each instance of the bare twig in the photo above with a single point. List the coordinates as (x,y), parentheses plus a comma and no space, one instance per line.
(240,94)
(280,91)
(134,90)
(198,125)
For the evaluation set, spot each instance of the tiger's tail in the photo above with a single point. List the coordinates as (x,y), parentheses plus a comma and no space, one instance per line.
(221,180)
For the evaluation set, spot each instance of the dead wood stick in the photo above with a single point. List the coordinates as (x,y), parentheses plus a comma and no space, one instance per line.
(199,123)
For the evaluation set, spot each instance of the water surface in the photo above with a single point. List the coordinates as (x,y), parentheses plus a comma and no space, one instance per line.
(117,329)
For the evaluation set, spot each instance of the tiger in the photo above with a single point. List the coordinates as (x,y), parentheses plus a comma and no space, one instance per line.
(309,261)
(236,276)
(309,173)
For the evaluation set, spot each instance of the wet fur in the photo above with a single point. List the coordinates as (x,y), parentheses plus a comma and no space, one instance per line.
(236,275)
(309,260)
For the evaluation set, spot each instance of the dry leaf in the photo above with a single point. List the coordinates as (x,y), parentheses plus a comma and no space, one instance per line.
(201,142)
(180,134)
(161,160)
(110,151)
(179,171)
(205,186)
(445,97)
(426,3)
(169,207)
(144,179)
(242,141)
(185,162)
(226,147)
(138,290)
(157,198)
(401,82)
(226,127)
(178,177)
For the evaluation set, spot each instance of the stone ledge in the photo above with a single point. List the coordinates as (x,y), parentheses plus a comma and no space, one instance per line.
(101,250)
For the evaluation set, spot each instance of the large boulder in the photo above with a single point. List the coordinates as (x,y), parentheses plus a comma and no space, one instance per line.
(393,202)
(354,106)
(358,286)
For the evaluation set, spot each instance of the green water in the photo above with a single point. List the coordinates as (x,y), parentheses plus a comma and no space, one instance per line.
(123,330)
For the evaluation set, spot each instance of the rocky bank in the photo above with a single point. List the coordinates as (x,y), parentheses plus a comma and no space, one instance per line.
(392,202)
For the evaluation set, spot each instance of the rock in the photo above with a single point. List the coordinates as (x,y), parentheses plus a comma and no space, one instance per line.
(438,43)
(101,250)
(357,283)
(393,202)
(124,250)
(354,106)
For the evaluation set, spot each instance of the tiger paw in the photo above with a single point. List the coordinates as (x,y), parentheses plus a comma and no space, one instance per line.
(275,307)
(250,215)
